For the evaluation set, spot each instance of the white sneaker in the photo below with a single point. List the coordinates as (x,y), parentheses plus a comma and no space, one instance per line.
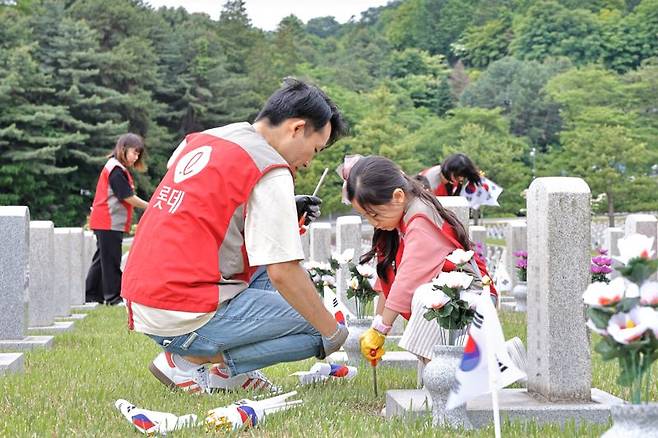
(220,380)
(166,371)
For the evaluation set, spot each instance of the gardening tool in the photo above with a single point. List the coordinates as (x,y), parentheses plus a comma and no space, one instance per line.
(373,363)
(315,193)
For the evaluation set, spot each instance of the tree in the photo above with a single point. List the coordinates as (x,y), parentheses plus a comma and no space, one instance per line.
(550,29)
(323,26)
(479,46)
(633,38)
(607,161)
(604,141)
(517,88)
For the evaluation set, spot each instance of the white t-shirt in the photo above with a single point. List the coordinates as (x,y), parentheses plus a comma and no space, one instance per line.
(271,236)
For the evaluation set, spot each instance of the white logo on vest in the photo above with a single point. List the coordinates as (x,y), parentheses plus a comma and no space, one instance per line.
(192,163)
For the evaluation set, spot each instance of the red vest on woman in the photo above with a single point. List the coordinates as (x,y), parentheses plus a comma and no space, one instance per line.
(419,209)
(433,175)
(109,212)
(190,242)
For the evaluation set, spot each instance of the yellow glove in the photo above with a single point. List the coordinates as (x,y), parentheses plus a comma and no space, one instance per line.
(372,344)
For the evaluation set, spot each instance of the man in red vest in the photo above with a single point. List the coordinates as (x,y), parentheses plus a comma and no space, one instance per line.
(214,272)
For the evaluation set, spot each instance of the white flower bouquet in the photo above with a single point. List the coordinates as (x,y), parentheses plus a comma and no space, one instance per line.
(624,313)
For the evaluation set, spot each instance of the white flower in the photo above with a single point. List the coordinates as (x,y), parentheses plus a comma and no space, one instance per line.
(432,299)
(328,280)
(366,271)
(470,297)
(343,258)
(353,283)
(599,294)
(650,317)
(649,293)
(453,280)
(633,246)
(628,327)
(595,329)
(459,256)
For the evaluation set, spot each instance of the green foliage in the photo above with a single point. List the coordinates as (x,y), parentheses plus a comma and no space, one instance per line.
(481,45)
(550,29)
(517,88)
(631,40)
(598,101)
(76,74)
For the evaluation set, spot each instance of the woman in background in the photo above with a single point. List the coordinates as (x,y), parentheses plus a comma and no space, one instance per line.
(111,216)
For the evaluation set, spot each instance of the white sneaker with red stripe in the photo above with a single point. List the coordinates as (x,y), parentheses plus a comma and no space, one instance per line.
(220,380)
(166,371)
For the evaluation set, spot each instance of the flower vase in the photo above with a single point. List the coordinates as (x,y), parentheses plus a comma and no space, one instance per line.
(633,421)
(439,378)
(520,293)
(352,345)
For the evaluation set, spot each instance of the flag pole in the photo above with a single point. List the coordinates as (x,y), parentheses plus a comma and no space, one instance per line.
(492,363)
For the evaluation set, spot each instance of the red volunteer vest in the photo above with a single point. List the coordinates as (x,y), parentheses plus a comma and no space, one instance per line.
(109,212)
(447,231)
(433,175)
(190,240)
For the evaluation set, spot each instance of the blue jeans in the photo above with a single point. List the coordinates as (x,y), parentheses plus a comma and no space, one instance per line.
(257,328)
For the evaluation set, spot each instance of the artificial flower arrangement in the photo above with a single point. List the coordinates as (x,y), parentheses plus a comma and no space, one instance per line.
(323,275)
(624,312)
(600,267)
(521,265)
(360,286)
(451,304)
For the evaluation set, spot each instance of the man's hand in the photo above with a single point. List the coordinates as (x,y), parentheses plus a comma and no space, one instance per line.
(372,344)
(310,205)
(334,342)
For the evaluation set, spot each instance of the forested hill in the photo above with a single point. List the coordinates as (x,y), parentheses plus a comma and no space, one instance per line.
(525,87)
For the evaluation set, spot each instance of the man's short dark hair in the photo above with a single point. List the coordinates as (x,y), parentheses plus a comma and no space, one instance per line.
(305,101)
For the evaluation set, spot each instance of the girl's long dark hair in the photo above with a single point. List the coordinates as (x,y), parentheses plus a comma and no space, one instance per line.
(459,165)
(371,182)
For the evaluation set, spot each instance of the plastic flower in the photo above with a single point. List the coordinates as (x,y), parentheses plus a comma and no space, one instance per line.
(343,258)
(651,319)
(353,283)
(366,271)
(601,294)
(595,329)
(649,293)
(432,298)
(329,280)
(634,246)
(459,256)
(453,280)
(602,261)
(629,327)
(470,298)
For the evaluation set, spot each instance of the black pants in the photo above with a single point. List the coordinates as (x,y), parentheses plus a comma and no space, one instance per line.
(103,284)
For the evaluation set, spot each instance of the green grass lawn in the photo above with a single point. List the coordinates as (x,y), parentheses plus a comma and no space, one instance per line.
(70,391)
